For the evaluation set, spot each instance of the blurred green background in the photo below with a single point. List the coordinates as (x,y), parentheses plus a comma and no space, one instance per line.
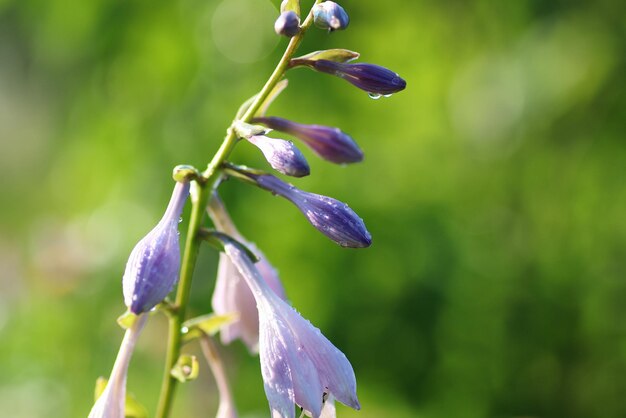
(494,188)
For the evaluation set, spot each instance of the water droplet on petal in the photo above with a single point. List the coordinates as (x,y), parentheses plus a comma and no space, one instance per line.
(387,95)
(374,96)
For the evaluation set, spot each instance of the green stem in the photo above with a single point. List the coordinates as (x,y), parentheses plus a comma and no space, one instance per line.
(192,243)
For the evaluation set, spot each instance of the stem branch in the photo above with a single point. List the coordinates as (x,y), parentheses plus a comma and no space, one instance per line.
(192,243)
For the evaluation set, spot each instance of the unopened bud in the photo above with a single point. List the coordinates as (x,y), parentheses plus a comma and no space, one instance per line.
(329,15)
(153,266)
(282,155)
(329,143)
(287,24)
(329,216)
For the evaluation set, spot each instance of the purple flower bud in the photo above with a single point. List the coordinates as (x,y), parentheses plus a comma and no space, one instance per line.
(372,78)
(287,24)
(329,15)
(282,155)
(153,266)
(330,216)
(329,143)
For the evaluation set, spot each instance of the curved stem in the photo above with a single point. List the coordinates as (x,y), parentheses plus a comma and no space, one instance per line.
(192,243)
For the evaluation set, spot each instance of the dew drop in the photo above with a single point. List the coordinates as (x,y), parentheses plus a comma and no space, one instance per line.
(180,219)
(387,95)
(374,96)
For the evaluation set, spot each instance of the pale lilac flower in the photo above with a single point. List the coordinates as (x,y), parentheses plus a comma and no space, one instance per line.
(112,401)
(226,408)
(331,217)
(298,364)
(282,155)
(329,143)
(232,293)
(153,266)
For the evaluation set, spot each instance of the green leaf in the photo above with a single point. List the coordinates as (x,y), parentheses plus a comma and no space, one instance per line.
(126,320)
(208,324)
(336,55)
(132,408)
(186,368)
(246,130)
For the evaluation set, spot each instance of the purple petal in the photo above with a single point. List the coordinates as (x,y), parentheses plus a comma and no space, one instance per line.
(331,217)
(329,143)
(282,155)
(153,266)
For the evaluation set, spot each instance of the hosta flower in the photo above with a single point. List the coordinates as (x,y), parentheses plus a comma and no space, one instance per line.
(329,143)
(371,78)
(287,24)
(112,401)
(331,217)
(282,155)
(329,15)
(232,293)
(153,266)
(298,364)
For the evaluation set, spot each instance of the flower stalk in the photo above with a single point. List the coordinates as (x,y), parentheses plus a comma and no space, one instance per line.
(205,188)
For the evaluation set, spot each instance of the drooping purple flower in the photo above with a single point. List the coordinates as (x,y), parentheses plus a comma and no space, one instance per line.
(111,403)
(153,266)
(329,143)
(329,15)
(282,155)
(298,364)
(371,78)
(287,24)
(232,293)
(330,216)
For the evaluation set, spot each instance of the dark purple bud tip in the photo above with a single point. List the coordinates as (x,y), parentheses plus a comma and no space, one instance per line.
(287,24)
(372,78)
(153,266)
(329,216)
(329,15)
(282,155)
(329,143)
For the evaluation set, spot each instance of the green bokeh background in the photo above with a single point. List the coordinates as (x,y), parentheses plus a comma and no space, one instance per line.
(494,188)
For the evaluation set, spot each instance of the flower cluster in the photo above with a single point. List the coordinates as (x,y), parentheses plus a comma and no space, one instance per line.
(300,367)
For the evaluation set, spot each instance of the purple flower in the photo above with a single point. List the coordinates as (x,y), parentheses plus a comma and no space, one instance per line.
(153,266)
(372,78)
(330,216)
(329,15)
(329,143)
(232,294)
(298,364)
(282,155)
(112,401)
(287,24)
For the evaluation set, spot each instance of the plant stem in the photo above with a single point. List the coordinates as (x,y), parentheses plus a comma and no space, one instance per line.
(192,243)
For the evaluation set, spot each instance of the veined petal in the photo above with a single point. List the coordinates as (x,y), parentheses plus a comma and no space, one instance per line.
(298,363)
(232,293)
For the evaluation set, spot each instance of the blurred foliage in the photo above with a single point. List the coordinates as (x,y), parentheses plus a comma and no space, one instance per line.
(494,188)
